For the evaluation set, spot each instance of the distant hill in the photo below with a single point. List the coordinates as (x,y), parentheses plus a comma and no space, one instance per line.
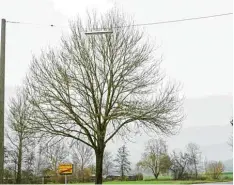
(211,139)
(207,124)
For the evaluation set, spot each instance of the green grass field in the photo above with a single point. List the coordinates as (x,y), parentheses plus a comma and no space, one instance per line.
(159,178)
(226,177)
(228,174)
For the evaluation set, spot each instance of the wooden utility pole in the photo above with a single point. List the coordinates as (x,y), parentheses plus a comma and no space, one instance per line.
(2,92)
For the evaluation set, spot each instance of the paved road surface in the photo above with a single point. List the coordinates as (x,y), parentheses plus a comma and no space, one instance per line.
(217,183)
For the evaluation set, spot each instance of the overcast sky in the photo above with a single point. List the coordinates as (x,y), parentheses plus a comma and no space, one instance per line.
(197,53)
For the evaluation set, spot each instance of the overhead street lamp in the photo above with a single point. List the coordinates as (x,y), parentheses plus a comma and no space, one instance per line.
(98,32)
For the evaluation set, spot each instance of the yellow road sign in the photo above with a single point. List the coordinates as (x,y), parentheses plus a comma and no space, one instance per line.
(65,169)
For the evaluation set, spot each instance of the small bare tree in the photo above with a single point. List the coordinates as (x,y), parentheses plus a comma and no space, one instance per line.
(12,161)
(40,161)
(180,162)
(95,87)
(194,153)
(108,164)
(155,157)
(122,163)
(82,156)
(21,136)
(29,164)
(55,154)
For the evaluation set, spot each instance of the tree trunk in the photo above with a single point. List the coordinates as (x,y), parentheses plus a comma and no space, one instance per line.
(196,171)
(82,173)
(122,173)
(19,165)
(156,175)
(99,161)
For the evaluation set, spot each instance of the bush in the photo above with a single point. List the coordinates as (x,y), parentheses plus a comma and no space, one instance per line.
(61,179)
(202,177)
(139,176)
(214,169)
(149,179)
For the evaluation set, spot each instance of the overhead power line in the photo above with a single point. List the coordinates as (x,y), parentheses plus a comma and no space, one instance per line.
(142,24)
(180,20)
(34,24)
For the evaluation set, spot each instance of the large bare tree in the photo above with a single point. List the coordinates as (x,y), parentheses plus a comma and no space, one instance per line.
(95,87)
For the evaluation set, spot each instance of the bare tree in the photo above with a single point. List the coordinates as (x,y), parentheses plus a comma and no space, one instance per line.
(94,87)
(194,153)
(155,157)
(20,138)
(40,161)
(108,163)
(180,162)
(29,164)
(12,160)
(122,163)
(82,156)
(55,153)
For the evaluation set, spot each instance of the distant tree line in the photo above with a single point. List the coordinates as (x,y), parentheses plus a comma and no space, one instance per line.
(180,165)
(40,164)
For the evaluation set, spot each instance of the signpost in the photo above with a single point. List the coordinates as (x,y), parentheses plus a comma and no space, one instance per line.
(65,169)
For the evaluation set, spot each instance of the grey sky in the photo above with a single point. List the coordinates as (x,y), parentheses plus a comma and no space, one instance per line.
(196,53)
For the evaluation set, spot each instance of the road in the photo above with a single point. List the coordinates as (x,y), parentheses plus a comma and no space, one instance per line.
(217,183)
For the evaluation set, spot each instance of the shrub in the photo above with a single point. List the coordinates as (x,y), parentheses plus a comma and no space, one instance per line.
(61,179)
(149,179)
(214,169)
(201,177)
(139,176)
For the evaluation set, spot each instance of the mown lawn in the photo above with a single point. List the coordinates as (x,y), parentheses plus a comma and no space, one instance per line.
(159,178)
(228,175)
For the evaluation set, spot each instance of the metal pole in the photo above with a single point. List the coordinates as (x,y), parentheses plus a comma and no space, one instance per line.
(2,91)
(65,179)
